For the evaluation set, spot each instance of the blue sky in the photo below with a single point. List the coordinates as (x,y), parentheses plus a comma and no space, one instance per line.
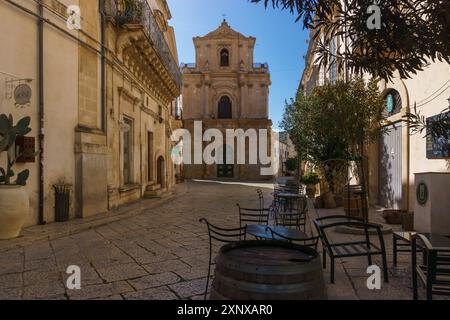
(279,40)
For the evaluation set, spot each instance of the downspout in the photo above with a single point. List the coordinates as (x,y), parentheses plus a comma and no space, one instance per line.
(41,124)
(103,64)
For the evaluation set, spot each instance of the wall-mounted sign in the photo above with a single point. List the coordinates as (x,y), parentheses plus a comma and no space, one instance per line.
(422,194)
(437,147)
(22,94)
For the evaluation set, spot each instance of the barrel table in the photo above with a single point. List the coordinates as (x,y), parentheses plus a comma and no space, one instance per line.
(353,206)
(268,270)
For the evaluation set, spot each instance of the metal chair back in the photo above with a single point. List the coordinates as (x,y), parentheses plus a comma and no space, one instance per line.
(221,235)
(434,271)
(311,242)
(253,216)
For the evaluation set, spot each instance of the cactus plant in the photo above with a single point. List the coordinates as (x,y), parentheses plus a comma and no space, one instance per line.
(8,134)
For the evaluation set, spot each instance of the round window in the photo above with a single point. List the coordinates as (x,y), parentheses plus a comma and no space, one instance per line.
(393,103)
(390,103)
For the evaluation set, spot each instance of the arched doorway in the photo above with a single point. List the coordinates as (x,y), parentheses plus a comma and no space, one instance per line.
(390,170)
(225,108)
(160,172)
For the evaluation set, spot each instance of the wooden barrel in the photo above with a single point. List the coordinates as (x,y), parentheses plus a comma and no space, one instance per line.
(353,206)
(268,270)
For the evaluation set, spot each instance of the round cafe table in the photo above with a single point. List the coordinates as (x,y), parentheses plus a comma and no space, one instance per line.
(262,232)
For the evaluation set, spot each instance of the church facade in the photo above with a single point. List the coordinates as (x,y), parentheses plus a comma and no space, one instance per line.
(225,89)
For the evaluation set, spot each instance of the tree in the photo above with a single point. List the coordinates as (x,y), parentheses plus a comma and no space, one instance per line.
(412,33)
(334,123)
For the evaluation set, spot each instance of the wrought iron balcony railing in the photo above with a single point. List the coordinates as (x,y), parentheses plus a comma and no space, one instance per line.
(139,12)
(261,66)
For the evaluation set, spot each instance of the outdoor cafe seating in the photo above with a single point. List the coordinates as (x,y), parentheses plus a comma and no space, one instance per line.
(434,269)
(349,249)
(285,220)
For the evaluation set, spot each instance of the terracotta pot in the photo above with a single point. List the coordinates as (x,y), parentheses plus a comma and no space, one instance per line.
(311,191)
(14,210)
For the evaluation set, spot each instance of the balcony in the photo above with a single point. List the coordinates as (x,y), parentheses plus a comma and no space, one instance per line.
(261,67)
(139,13)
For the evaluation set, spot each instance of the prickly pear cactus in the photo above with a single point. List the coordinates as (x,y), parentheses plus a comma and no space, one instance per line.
(8,134)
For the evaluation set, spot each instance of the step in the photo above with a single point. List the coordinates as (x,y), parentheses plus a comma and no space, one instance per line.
(157,194)
(153,187)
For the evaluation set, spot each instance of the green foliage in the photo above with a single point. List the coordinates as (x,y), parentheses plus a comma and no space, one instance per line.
(8,134)
(412,33)
(22,177)
(334,121)
(310,178)
(436,129)
(291,164)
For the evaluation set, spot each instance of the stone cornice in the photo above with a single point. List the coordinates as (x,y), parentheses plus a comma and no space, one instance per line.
(136,52)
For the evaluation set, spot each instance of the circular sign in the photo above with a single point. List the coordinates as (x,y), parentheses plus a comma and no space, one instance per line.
(390,103)
(22,94)
(422,194)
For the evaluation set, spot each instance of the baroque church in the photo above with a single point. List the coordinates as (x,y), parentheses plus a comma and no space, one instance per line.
(225,89)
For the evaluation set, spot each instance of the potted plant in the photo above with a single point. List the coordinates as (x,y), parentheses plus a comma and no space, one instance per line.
(310,179)
(14,200)
(62,200)
(291,165)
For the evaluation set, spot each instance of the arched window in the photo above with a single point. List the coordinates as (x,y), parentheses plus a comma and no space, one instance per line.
(224,58)
(225,108)
(393,103)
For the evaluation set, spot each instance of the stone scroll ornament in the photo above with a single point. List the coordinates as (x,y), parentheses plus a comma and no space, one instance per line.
(74,17)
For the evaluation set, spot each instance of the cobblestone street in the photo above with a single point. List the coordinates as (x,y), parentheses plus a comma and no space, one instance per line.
(160,252)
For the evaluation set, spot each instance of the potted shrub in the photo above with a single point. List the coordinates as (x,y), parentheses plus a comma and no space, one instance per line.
(13,196)
(291,165)
(310,179)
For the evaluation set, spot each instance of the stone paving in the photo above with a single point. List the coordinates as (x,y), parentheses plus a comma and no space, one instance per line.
(157,252)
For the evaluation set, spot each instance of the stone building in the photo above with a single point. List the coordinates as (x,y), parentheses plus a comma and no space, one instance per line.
(225,89)
(287,153)
(399,155)
(104,99)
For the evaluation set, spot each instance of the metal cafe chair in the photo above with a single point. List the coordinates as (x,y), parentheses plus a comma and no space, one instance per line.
(311,242)
(434,271)
(253,216)
(350,249)
(293,214)
(292,220)
(261,199)
(221,235)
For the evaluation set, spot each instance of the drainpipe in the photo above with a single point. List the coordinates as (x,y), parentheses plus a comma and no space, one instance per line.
(41,124)
(103,63)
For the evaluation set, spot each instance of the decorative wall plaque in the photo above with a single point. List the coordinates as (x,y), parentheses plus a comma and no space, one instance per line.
(22,94)
(422,194)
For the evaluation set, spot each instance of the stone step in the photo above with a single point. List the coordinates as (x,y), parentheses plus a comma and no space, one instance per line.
(157,194)
(153,187)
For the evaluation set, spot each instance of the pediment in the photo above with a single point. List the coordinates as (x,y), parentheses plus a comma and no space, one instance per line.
(224,32)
